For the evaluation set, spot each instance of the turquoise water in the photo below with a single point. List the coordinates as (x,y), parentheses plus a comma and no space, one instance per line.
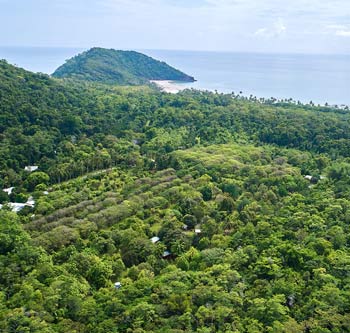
(320,78)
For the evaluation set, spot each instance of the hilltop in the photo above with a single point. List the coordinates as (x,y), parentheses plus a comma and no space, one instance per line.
(118,67)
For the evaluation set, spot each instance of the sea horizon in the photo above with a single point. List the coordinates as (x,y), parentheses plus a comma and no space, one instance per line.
(175,50)
(320,78)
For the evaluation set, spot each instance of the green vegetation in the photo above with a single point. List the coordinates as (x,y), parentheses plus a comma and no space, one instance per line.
(118,67)
(246,244)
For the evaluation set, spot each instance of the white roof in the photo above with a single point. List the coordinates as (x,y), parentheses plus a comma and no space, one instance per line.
(30,201)
(16,206)
(166,253)
(31,168)
(308,177)
(197,231)
(8,190)
(155,240)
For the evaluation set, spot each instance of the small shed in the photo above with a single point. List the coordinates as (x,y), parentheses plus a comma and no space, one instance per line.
(30,201)
(166,254)
(31,168)
(8,190)
(197,231)
(117,285)
(155,240)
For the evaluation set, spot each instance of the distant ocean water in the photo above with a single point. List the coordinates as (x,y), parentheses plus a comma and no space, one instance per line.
(317,78)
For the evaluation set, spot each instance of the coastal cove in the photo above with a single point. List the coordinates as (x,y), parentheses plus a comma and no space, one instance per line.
(318,78)
(172,87)
(175,166)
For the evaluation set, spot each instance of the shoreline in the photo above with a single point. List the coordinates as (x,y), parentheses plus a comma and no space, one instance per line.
(172,87)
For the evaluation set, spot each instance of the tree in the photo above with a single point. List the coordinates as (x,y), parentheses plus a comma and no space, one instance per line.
(37,178)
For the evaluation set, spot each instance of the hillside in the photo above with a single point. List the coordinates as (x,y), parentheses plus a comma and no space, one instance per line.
(118,67)
(151,212)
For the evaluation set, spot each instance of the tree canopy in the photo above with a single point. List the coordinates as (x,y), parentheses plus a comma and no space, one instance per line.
(118,67)
(212,212)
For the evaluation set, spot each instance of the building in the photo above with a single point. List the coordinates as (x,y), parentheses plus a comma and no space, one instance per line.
(8,190)
(31,168)
(166,254)
(155,240)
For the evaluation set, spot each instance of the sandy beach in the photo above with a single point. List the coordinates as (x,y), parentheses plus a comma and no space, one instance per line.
(169,86)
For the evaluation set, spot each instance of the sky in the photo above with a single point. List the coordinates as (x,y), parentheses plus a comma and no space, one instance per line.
(274,26)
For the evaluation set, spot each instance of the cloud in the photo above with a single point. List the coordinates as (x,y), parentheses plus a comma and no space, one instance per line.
(336,26)
(262,32)
(343,33)
(277,29)
(224,3)
(339,30)
(234,25)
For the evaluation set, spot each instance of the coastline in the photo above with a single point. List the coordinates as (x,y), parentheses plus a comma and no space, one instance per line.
(172,87)
(319,79)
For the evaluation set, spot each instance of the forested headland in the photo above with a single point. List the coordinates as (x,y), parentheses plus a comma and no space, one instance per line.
(110,66)
(194,212)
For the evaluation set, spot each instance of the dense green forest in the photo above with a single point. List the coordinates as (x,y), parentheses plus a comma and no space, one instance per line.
(118,67)
(212,212)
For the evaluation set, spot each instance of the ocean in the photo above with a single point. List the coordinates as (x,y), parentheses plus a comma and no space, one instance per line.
(318,78)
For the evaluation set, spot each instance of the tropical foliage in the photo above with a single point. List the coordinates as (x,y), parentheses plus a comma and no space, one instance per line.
(118,67)
(248,199)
